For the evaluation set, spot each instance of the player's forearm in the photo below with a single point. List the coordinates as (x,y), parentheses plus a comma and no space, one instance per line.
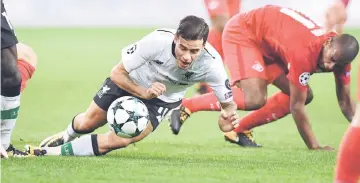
(229,107)
(123,80)
(303,125)
(346,104)
(347,107)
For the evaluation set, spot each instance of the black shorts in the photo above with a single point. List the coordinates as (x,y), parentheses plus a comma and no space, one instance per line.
(8,37)
(110,92)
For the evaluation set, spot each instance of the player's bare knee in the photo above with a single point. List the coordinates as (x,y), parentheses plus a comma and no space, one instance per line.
(254,100)
(86,123)
(255,92)
(309,97)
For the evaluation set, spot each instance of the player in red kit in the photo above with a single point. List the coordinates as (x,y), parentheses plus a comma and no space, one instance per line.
(279,46)
(220,11)
(348,161)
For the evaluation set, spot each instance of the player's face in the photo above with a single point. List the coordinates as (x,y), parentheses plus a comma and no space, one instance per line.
(327,59)
(186,51)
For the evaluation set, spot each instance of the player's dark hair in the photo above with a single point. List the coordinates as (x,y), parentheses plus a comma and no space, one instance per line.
(348,47)
(193,28)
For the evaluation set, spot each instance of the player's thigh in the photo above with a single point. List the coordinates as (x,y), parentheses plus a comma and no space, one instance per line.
(278,78)
(9,62)
(244,60)
(95,115)
(8,48)
(245,63)
(158,109)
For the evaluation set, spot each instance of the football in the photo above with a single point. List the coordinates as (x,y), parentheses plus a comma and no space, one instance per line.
(127,116)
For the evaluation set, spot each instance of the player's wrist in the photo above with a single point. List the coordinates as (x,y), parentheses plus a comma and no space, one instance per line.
(314,146)
(142,92)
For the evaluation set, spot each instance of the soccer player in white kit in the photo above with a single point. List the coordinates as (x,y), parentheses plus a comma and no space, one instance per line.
(157,69)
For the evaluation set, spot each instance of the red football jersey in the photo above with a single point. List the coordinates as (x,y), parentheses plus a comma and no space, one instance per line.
(289,36)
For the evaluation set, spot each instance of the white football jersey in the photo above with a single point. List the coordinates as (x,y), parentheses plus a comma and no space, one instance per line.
(152,59)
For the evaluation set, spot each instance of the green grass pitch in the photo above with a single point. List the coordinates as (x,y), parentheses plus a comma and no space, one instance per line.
(73,63)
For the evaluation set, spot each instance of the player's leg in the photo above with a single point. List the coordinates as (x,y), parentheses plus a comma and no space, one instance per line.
(246,66)
(348,162)
(276,107)
(218,11)
(90,145)
(93,118)
(10,81)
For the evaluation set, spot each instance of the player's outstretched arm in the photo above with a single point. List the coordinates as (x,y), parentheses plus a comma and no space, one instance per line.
(297,108)
(346,103)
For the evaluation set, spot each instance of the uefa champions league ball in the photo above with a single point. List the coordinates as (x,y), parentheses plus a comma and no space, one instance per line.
(127,116)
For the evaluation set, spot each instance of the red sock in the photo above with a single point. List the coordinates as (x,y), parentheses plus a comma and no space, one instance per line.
(214,39)
(26,70)
(209,102)
(348,160)
(276,107)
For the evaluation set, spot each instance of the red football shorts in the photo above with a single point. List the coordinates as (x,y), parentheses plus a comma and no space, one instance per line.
(222,7)
(26,70)
(245,59)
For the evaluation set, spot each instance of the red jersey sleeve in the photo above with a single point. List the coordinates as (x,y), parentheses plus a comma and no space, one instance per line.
(343,74)
(300,68)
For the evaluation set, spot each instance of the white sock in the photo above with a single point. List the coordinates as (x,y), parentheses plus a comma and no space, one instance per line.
(83,146)
(70,133)
(9,113)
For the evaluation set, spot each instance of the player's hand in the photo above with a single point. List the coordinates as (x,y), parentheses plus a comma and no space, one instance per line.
(227,120)
(155,90)
(324,148)
(327,148)
(3,152)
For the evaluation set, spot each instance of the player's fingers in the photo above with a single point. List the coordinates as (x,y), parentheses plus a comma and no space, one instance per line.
(234,117)
(160,86)
(157,92)
(235,122)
